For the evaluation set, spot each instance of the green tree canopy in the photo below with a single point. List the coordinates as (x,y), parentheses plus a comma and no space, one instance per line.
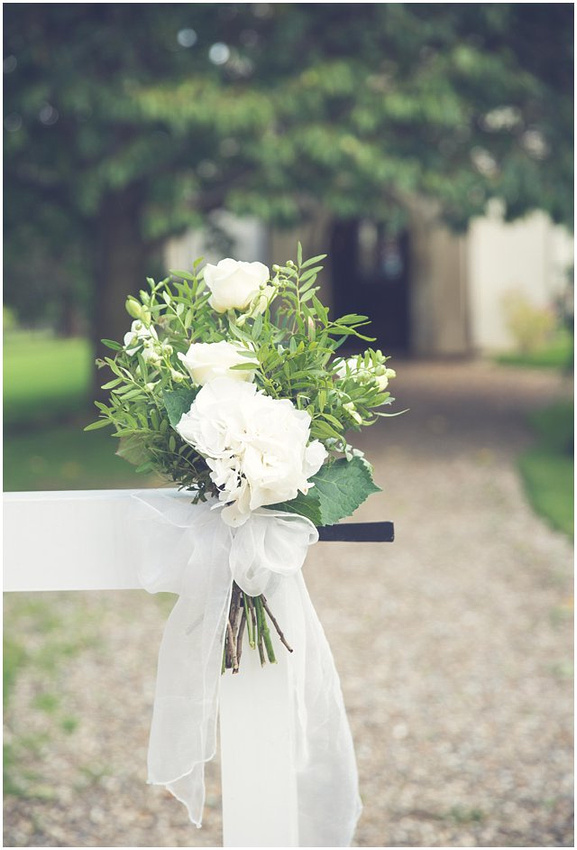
(125,124)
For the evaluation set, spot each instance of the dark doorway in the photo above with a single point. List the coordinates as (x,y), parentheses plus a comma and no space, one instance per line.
(370,276)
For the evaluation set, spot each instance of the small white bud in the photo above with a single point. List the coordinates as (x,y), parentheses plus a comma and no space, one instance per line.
(350,408)
(133,308)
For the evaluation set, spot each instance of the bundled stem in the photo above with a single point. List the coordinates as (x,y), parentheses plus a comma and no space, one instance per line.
(249,613)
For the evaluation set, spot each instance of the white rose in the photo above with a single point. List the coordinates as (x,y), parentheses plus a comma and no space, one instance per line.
(256,446)
(207,360)
(139,333)
(234,284)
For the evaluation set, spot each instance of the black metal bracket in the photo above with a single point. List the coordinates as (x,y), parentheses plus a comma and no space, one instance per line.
(358,532)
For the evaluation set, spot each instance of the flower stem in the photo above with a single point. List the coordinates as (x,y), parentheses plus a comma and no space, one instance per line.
(239,637)
(233,655)
(263,629)
(275,624)
(249,616)
(250,613)
(260,647)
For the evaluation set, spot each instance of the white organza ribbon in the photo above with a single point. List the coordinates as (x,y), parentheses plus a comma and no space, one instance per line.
(187,549)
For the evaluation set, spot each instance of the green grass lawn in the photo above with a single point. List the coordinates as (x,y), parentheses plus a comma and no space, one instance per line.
(44,379)
(548,468)
(46,382)
(66,458)
(557,355)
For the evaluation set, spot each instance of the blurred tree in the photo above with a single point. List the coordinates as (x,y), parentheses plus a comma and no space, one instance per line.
(125,124)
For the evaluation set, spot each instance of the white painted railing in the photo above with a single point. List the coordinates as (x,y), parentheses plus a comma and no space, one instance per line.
(84,540)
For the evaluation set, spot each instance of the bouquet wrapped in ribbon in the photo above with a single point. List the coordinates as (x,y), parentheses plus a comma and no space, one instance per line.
(229,384)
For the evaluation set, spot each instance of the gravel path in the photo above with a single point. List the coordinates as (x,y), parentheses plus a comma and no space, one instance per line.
(453,645)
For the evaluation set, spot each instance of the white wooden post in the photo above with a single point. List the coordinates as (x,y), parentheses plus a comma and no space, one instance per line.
(83,540)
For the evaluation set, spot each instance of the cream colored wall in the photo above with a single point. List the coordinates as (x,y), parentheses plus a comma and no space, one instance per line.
(458,282)
(531,256)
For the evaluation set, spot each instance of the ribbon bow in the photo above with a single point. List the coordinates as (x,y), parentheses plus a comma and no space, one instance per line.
(187,549)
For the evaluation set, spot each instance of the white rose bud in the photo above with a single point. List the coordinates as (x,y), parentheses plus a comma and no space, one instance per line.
(207,360)
(233,284)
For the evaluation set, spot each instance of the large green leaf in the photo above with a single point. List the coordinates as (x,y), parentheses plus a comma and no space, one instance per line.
(340,488)
(132,448)
(178,402)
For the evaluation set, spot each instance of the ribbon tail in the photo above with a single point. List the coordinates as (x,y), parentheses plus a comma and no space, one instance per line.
(329,804)
(183,733)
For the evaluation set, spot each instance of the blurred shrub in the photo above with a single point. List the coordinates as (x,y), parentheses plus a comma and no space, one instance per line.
(9,319)
(531,326)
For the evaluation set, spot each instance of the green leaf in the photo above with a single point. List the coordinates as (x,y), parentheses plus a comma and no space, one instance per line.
(321,309)
(100,423)
(132,394)
(184,275)
(334,420)
(313,260)
(342,486)
(145,467)
(177,402)
(311,273)
(239,367)
(110,343)
(132,448)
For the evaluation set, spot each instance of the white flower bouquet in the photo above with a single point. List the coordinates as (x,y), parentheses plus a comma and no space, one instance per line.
(228,383)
